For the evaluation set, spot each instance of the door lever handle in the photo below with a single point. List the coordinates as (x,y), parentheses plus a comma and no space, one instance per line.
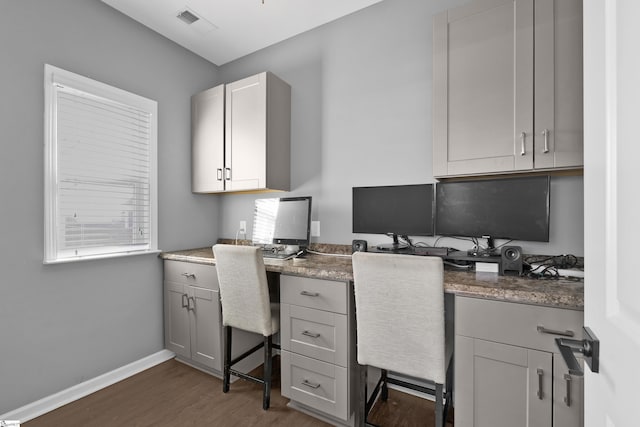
(589,347)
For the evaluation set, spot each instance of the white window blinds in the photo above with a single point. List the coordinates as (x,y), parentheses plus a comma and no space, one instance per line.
(100,195)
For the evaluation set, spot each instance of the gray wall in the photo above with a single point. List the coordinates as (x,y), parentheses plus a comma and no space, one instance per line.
(361,102)
(64,324)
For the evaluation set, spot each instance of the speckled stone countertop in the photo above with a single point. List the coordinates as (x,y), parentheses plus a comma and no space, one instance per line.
(562,293)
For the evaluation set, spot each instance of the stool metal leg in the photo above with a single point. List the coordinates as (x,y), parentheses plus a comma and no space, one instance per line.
(226,378)
(439,406)
(385,387)
(268,367)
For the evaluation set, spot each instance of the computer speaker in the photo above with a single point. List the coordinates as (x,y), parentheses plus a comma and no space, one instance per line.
(359,246)
(511,260)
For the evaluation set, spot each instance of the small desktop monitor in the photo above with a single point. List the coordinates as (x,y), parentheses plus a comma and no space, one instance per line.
(282,221)
(507,208)
(396,210)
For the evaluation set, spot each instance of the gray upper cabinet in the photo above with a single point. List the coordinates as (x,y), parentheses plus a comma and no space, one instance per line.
(241,135)
(507,87)
(207,140)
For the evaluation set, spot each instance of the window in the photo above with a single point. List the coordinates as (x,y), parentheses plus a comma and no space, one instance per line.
(100,170)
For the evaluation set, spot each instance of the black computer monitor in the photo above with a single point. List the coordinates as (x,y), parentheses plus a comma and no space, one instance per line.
(282,221)
(508,208)
(396,210)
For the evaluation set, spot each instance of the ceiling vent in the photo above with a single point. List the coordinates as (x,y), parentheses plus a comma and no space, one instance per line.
(187,17)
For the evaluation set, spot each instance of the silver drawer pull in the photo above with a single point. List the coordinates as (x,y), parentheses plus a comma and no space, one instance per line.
(544,330)
(311,334)
(189,275)
(310,294)
(567,397)
(185,301)
(309,384)
(219,171)
(540,372)
(523,137)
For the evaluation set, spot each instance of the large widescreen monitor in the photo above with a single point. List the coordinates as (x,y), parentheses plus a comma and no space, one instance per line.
(396,210)
(508,208)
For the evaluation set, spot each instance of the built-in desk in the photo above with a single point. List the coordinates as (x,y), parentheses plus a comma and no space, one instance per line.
(561,293)
(486,336)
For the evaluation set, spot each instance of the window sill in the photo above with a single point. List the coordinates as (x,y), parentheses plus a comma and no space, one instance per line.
(102,256)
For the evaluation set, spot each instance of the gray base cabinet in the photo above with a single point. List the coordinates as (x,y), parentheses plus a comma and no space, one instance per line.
(507,87)
(508,371)
(193,318)
(318,354)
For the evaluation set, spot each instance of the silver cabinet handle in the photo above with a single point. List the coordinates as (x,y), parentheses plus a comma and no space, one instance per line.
(309,384)
(310,294)
(227,174)
(219,171)
(544,330)
(523,136)
(567,396)
(189,301)
(185,301)
(189,275)
(311,334)
(540,373)
(545,133)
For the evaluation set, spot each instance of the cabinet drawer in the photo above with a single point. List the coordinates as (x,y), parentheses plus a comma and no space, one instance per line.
(314,293)
(515,324)
(314,333)
(317,384)
(204,276)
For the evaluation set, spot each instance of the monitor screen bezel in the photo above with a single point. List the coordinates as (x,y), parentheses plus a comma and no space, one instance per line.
(301,242)
(393,229)
(494,230)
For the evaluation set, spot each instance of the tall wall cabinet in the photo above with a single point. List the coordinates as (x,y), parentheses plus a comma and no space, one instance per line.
(508,371)
(241,135)
(507,87)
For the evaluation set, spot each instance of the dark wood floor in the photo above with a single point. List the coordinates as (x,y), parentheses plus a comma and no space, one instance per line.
(174,394)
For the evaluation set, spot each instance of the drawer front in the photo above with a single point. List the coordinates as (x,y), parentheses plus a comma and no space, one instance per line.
(204,276)
(319,385)
(314,293)
(314,333)
(523,325)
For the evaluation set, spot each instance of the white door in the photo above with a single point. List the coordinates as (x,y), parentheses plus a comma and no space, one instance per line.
(612,220)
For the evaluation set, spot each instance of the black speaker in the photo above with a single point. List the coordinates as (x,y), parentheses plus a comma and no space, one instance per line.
(511,260)
(359,246)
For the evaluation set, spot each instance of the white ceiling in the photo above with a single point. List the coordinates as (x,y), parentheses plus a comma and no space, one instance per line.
(230,29)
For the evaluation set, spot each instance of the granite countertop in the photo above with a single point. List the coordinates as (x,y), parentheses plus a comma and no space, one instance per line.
(562,293)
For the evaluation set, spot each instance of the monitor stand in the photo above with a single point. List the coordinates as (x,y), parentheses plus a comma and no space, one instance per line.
(392,247)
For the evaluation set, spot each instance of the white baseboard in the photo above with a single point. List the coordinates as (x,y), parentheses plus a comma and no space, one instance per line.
(54,401)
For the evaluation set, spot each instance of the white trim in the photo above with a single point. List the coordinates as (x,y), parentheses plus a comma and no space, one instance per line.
(71,394)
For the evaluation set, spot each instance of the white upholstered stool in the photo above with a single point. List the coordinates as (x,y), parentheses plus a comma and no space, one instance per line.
(399,301)
(244,295)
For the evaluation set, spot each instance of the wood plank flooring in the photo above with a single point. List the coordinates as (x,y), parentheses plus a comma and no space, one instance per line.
(174,394)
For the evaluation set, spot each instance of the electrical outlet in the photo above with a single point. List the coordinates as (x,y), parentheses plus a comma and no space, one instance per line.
(315,228)
(243,226)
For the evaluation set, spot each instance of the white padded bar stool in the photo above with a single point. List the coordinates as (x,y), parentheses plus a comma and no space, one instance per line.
(399,301)
(244,295)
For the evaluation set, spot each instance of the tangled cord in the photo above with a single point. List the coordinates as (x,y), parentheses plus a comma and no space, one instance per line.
(548,267)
